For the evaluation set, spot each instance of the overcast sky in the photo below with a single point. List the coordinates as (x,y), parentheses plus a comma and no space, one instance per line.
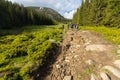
(64,7)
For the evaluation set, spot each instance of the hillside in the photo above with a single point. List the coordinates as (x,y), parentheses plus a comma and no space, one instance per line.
(52,13)
(98,12)
(15,15)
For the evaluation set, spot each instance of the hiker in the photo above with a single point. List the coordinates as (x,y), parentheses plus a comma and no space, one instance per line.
(72,26)
(76,26)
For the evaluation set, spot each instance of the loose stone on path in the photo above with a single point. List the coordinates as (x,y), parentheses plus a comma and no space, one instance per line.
(117,63)
(96,47)
(83,50)
(67,78)
(93,77)
(104,76)
(113,70)
(90,62)
(58,66)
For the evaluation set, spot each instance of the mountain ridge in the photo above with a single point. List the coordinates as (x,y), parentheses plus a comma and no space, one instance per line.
(50,12)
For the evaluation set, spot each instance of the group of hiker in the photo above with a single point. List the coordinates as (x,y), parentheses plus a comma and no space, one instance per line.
(71,26)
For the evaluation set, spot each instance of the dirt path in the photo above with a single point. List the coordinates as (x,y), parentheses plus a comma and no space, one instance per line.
(85,56)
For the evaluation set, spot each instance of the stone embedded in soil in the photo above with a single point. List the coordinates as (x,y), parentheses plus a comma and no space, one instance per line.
(88,42)
(104,76)
(93,77)
(96,47)
(67,78)
(117,63)
(118,51)
(72,51)
(118,46)
(90,62)
(100,65)
(113,70)
(67,60)
(77,46)
(58,66)
(76,56)
(68,57)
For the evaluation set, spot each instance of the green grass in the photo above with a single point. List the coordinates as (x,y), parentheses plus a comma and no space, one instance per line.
(113,34)
(21,53)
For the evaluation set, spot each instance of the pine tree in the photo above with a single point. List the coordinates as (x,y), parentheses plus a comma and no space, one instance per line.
(112,17)
(99,12)
(15,15)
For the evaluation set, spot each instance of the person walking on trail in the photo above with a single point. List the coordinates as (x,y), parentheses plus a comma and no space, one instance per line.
(71,26)
(76,26)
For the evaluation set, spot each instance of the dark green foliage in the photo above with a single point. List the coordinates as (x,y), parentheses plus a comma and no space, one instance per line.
(112,18)
(98,12)
(15,15)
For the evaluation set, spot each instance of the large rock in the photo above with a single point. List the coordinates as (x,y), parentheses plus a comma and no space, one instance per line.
(113,70)
(67,78)
(117,63)
(96,47)
(104,76)
(93,77)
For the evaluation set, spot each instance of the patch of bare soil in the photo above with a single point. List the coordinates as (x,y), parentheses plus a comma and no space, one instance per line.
(84,56)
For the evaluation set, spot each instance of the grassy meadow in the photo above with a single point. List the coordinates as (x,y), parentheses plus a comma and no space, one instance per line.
(24,50)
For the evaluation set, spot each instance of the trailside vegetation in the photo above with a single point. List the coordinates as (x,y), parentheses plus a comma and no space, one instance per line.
(22,54)
(15,15)
(112,34)
(98,12)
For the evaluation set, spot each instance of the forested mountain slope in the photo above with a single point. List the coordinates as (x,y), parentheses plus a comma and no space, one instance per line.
(98,12)
(52,13)
(15,15)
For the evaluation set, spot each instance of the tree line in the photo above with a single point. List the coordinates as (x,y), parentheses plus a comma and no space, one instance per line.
(15,15)
(98,12)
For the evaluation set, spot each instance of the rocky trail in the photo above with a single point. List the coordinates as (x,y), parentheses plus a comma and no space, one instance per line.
(86,56)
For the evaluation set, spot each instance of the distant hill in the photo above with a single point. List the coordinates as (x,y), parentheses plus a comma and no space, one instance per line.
(52,13)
